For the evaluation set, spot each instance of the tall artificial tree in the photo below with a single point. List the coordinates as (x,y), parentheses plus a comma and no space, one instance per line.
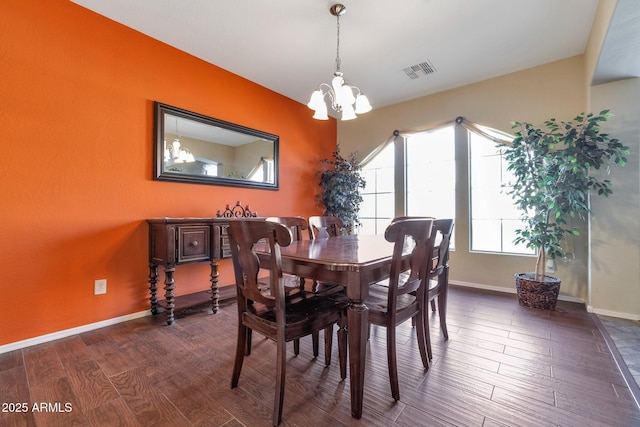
(552,168)
(341,184)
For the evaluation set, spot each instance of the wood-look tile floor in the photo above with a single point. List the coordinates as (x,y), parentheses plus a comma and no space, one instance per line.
(503,365)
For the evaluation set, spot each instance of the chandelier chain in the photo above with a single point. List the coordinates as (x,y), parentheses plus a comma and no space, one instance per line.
(338,62)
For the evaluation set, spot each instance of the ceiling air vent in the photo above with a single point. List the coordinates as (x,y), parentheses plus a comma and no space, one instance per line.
(418,70)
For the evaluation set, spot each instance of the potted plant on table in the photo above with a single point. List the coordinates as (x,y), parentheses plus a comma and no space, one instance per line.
(341,186)
(552,180)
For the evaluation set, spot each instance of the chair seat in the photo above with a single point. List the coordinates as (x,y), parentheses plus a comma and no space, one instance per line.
(378,299)
(294,286)
(304,311)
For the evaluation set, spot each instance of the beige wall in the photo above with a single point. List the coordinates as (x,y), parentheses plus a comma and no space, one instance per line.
(615,224)
(536,94)
(248,155)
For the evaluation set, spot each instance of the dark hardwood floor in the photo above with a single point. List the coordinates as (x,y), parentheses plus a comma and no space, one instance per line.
(503,365)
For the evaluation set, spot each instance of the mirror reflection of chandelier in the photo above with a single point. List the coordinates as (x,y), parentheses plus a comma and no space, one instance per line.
(343,98)
(175,153)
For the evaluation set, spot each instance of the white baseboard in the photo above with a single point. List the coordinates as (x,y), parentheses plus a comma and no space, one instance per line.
(483,286)
(73,331)
(611,313)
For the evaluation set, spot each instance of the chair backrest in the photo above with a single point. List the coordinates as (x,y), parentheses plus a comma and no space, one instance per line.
(243,234)
(406,277)
(296,224)
(443,228)
(322,227)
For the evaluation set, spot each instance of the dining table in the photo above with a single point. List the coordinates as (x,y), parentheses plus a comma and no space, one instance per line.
(355,261)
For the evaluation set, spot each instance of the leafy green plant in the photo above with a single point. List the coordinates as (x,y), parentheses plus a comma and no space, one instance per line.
(552,178)
(341,183)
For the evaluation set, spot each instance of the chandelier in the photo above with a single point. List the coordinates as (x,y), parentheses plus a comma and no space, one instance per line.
(176,153)
(343,98)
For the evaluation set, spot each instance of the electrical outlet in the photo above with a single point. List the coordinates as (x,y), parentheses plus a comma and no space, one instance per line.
(100,287)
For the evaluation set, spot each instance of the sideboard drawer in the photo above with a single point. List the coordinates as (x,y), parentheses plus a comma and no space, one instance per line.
(194,243)
(225,249)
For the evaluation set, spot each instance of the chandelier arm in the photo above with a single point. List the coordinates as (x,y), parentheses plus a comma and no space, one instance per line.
(326,85)
(330,92)
(332,98)
(336,107)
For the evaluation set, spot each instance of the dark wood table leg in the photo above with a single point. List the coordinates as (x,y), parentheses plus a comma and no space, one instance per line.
(358,324)
(153,287)
(169,286)
(214,285)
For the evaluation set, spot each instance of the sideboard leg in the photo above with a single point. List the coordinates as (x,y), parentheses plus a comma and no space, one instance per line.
(169,286)
(215,275)
(153,287)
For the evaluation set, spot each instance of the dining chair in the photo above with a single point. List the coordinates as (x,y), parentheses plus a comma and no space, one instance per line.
(324,226)
(272,313)
(402,296)
(296,225)
(438,276)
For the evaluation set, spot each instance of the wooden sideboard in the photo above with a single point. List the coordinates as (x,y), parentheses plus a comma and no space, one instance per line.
(175,241)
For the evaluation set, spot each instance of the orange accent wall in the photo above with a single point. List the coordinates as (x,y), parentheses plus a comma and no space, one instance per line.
(77,94)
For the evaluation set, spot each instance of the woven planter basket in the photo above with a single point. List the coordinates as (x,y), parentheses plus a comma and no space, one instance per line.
(536,294)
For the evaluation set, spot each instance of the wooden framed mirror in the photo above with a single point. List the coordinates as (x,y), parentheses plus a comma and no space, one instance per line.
(193,148)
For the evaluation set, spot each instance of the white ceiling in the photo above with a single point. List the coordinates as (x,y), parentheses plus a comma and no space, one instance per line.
(289,46)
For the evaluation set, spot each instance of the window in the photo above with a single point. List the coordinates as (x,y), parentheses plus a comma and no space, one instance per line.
(428,188)
(494,218)
(431,174)
(210,168)
(378,196)
(263,171)
(430,171)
